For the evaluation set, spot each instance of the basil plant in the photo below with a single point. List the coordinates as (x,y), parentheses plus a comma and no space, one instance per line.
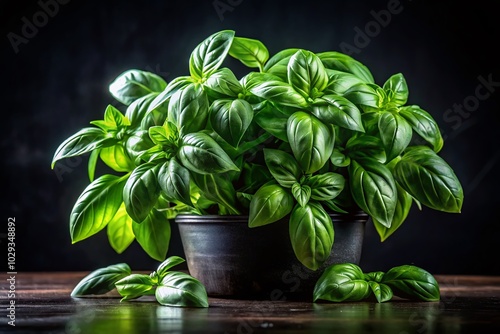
(299,136)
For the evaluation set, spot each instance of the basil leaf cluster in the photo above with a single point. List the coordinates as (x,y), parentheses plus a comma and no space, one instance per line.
(171,288)
(297,137)
(346,282)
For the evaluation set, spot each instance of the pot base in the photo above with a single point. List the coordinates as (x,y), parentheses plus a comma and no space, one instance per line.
(235,261)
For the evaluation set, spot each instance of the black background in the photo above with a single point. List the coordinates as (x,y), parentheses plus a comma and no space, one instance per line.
(57,82)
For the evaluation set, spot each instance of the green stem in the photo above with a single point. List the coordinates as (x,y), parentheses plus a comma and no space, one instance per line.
(261,68)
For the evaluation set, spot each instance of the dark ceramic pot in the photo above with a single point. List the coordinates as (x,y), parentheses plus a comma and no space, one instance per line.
(235,261)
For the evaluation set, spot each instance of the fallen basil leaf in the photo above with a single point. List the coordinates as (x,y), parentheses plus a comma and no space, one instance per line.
(342,282)
(381,291)
(101,281)
(135,286)
(412,282)
(180,289)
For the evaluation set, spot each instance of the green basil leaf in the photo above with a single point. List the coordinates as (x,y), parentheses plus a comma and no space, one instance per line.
(325,186)
(156,117)
(166,265)
(375,276)
(302,193)
(182,290)
(403,206)
(396,89)
(84,141)
(92,164)
(341,62)
(158,135)
(138,143)
(412,282)
(373,188)
(333,206)
(119,230)
(278,64)
(101,281)
(207,57)
(370,123)
(165,135)
(116,158)
(188,109)
(381,291)
(115,117)
(311,234)
(365,147)
(153,234)
(156,154)
(395,133)
(429,179)
(254,78)
(273,121)
(274,91)
(113,120)
(137,110)
(306,74)
(223,83)
(201,154)
(174,180)
(364,96)
(339,82)
(134,84)
(219,189)
(141,191)
(269,204)
(231,119)
(254,176)
(423,124)
(311,141)
(337,110)
(251,52)
(341,282)
(134,286)
(96,206)
(339,159)
(162,99)
(283,167)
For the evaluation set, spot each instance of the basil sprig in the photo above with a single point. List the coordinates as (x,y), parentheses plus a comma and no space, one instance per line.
(347,282)
(171,288)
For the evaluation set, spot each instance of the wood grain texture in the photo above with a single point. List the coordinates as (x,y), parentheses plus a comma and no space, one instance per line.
(469,304)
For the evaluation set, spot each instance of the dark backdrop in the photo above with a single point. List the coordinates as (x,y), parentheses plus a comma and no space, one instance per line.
(55,81)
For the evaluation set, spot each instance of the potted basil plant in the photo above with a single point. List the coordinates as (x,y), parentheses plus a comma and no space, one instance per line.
(299,141)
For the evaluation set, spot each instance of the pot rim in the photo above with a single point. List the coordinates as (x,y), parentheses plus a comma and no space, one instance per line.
(186,218)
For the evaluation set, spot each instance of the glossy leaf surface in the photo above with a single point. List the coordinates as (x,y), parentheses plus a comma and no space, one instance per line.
(101,281)
(311,234)
(428,178)
(181,290)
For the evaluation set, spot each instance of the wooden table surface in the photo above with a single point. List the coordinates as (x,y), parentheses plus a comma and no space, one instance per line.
(469,304)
